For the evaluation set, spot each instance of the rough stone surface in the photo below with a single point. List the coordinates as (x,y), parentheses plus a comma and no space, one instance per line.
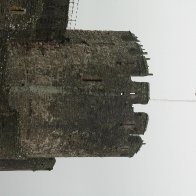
(35,19)
(75,99)
(33,164)
(66,93)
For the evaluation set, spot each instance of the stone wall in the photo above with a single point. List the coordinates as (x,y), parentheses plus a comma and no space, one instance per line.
(66,93)
(36,19)
(27,164)
(75,98)
(24,20)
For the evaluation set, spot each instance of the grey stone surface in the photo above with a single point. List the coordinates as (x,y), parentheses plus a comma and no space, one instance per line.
(33,164)
(37,19)
(66,93)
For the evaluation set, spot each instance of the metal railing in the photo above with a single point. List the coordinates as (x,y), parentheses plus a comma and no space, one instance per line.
(73,14)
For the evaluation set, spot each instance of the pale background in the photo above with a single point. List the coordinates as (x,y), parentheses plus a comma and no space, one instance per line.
(166,165)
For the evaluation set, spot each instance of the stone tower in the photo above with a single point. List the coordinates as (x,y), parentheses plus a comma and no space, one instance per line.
(66,93)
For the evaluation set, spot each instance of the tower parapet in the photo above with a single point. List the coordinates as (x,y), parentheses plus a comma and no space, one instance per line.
(120,49)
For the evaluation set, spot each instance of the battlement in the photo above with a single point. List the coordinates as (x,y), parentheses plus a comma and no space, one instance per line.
(117,48)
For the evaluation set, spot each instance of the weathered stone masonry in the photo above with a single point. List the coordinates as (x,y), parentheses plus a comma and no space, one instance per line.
(34,19)
(68,93)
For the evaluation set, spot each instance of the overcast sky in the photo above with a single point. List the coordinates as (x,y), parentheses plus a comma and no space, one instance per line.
(166,165)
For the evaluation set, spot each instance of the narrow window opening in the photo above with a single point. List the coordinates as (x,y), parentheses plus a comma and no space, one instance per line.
(17,10)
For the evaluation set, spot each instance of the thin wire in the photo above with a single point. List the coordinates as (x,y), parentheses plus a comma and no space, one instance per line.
(175,100)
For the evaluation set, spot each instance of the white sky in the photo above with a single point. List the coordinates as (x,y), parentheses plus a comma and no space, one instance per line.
(166,165)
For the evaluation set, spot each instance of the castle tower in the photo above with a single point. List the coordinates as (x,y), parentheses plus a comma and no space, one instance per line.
(68,93)
(74,99)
